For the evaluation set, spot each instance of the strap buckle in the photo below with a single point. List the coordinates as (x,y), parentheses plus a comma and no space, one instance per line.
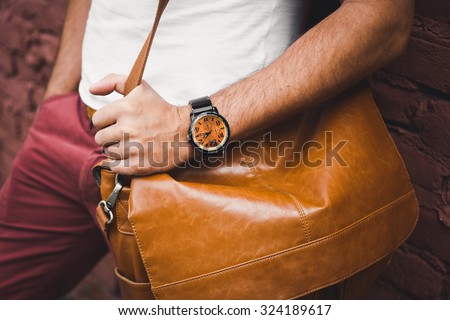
(109,204)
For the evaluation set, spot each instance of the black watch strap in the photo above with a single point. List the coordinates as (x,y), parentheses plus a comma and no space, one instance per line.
(201,105)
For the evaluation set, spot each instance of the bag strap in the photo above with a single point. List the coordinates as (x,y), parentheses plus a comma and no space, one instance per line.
(104,209)
(135,77)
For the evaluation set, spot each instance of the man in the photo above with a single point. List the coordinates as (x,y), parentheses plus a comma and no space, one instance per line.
(243,54)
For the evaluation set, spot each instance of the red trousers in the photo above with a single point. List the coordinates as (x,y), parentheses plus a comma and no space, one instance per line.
(48,237)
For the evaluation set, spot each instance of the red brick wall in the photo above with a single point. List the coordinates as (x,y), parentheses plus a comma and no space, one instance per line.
(29,34)
(413,94)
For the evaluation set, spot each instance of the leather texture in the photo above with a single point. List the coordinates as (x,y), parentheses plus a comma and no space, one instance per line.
(90,112)
(251,229)
(135,77)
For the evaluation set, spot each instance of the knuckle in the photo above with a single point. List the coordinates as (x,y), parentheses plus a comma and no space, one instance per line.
(113,152)
(129,131)
(120,107)
(133,152)
(134,134)
(125,107)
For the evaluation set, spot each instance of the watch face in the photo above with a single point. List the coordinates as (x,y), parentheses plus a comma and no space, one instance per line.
(210,132)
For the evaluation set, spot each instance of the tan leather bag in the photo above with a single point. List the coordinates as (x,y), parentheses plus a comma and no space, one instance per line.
(263,230)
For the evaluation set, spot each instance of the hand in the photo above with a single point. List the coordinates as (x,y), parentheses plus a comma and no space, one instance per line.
(141,133)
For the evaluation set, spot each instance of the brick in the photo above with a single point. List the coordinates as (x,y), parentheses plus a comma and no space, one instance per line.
(436,122)
(436,9)
(422,53)
(431,30)
(30,10)
(14,38)
(43,13)
(415,276)
(48,47)
(432,235)
(396,103)
(444,210)
(41,54)
(6,66)
(422,167)
(435,262)
(395,81)
(35,97)
(384,291)
(15,91)
(430,179)
(50,16)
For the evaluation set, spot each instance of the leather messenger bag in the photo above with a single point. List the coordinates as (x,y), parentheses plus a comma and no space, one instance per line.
(264,229)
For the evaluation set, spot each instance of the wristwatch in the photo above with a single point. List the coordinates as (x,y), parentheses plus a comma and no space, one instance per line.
(209,131)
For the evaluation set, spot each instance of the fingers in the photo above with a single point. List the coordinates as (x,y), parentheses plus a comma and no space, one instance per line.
(110,83)
(107,115)
(113,151)
(108,136)
(124,150)
(117,151)
(123,167)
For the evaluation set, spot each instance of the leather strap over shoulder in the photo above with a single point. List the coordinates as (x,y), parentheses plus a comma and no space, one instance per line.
(135,76)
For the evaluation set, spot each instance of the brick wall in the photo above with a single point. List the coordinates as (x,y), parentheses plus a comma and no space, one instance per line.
(29,34)
(413,94)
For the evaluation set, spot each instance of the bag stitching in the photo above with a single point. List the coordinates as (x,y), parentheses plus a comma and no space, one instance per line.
(405,171)
(298,206)
(254,171)
(119,227)
(288,251)
(302,215)
(143,259)
(380,119)
(128,281)
(362,268)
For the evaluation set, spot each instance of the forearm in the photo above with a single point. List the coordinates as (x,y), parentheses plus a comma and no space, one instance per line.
(359,38)
(66,72)
(353,42)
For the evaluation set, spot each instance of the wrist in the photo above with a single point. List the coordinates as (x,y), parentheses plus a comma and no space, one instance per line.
(209,131)
(185,148)
(184,121)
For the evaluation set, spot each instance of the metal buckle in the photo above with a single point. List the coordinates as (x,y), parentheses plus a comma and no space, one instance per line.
(108,205)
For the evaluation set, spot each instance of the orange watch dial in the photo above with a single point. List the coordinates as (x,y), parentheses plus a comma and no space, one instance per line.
(209,132)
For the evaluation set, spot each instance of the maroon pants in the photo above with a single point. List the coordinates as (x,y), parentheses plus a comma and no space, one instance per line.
(48,237)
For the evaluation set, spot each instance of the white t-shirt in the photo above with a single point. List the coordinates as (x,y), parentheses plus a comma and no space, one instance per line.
(200,47)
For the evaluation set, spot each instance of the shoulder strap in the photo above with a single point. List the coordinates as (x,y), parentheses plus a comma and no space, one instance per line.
(135,76)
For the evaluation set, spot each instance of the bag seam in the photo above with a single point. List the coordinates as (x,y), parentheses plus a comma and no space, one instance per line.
(128,281)
(288,251)
(119,227)
(366,266)
(380,119)
(297,204)
(143,259)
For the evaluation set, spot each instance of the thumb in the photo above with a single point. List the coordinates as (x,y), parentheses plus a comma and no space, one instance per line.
(112,82)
